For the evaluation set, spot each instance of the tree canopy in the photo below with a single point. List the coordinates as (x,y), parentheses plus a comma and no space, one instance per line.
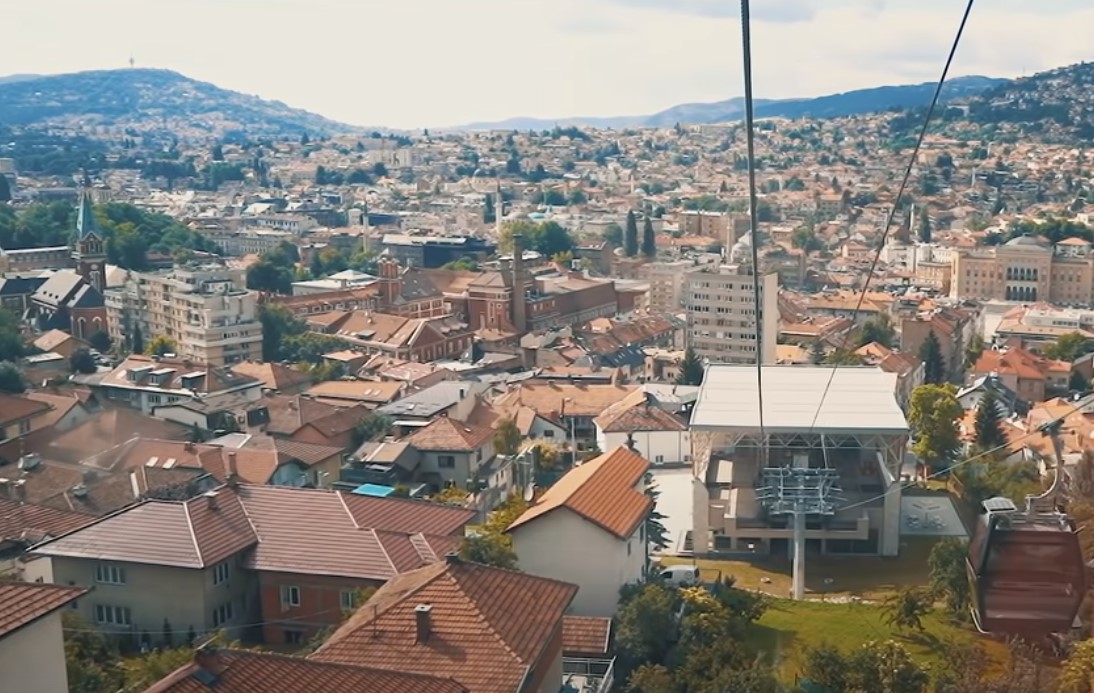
(547,238)
(691,369)
(649,239)
(934,364)
(1069,347)
(933,415)
(989,423)
(630,235)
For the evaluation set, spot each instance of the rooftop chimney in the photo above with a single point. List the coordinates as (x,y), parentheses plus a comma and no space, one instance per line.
(233,470)
(211,499)
(19,490)
(453,558)
(423,614)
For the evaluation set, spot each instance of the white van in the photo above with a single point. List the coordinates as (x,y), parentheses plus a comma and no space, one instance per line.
(680,575)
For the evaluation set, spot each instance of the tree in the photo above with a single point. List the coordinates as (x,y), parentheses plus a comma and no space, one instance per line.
(99,340)
(613,235)
(933,415)
(934,365)
(547,238)
(989,424)
(630,235)
(218,153)
(507,437)
(1069,347)
(488,548)
(92,661)
(844,357)
(160,346)
(370,427)
(816,353)
(278,325)
(143,671)
(875,667)
(879,330)
(1077,675)
(651,678)
(973,351)
(645,623)
(948,577)
(489,213)
(649,239)
(691,369)
(12,346)
(924,231)
(136,342)
(266,276)
(905,609)
(82,361)
(11,379)
(5,189)
(379,169)
(656,534)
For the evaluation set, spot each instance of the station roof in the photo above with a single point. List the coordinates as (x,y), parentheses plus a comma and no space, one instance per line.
(861,400)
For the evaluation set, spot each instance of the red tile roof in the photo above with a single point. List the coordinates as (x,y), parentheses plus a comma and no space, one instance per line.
(237,671)
(22,603)
(602,490)
(586,636)
(31,523)
(488,626)
(14,409)
(445,434)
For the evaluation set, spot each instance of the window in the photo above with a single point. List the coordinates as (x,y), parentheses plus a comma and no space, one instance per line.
(112,615)
(222,614)
(348,599)
(446,461)
(628,548)
(659,459)
(220,572)
(549,433)
(24,428)
(109,574)
(293,637)
(290,595)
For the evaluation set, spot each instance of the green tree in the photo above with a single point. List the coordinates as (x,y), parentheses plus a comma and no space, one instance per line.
(99,340)
(649,239)
(924,227)
(147,669)
(933,416)
(656,534)
(825,666)
(973,351)
(218,153)
(630,235)
(161,345)
(645,624)
(879,329)
(844,357)
(379,169)
(691,369)
(934,364)
(11,379)
(489,213)
(507,437)
(12,346)
(613,235)
(875,667)
(278,324)
(949,580)
(136,341)
(488,548)
(1069,347)
(989,423)
(547,238)
(1077,675)
(92,661)
(5,189)
(905,609)
(82,361)
(370,427)
(266,276)
(651,678)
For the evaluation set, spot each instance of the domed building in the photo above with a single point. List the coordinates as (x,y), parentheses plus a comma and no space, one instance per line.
(1028,269)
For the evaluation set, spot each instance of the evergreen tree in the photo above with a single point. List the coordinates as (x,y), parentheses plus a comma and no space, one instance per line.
(656,534)
(489,214)
(5,189)
(989,425)
(630,236)
(649,241)
(934,366)
(136,345)
(924,228)
(218,153)
(691,369)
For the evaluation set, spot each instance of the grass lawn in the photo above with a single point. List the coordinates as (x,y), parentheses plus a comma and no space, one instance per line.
(789,628)
(868,577)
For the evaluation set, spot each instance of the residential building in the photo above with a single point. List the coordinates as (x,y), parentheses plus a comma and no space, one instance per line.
(20,416)
(722,314)
(32,647)
(668,285)
(846,421)
(249,671)
(1032,376)
(1027,269)
(146,382)
(396,336)
(589,529)
(434,251)
(289,559)
(637,422)
(23,524)
(490,630)
(453,452)
(205,310)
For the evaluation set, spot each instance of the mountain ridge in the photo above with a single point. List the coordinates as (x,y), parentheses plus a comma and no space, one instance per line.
(853,102)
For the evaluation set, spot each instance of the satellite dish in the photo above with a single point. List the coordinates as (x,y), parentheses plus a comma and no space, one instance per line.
(529,492)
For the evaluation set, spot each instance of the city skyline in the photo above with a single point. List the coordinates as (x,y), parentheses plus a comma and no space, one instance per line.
(424,63)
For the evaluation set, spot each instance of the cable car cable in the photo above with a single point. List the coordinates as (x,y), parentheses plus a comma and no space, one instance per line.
(900,195)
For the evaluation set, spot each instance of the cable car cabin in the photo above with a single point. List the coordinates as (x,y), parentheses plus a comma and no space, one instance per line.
(1026,572)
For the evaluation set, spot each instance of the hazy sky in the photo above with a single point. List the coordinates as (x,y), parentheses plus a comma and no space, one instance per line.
(414,63)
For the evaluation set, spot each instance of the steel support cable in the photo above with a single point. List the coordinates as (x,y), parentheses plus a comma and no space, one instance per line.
(900,195)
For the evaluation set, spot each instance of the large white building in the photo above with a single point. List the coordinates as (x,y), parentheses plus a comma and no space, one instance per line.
(814,419)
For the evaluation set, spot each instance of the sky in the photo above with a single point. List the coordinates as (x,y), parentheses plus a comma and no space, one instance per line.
(434,63)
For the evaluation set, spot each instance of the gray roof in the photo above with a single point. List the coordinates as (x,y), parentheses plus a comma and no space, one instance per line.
(860,400)
(430,401)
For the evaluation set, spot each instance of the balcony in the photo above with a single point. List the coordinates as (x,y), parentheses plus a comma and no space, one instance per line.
(587,675)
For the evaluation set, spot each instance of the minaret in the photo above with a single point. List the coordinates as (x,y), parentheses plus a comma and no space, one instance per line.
(520,308)
(89,252)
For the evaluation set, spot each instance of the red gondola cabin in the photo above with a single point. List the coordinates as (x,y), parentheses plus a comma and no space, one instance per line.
(1026,572)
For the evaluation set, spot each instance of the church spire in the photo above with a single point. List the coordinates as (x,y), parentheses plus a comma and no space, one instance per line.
(85,219)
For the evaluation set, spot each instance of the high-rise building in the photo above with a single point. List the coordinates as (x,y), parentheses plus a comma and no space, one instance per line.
(204,309)
(668,284)
(722,313)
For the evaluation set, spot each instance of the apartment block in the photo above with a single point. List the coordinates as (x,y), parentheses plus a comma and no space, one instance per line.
(667,285)
(204,309)
(722,314)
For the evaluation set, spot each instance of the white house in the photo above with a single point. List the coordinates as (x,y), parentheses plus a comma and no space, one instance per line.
(32,647)
(653,432)
(589,529)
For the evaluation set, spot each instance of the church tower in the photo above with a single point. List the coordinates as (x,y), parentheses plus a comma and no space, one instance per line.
(90,249)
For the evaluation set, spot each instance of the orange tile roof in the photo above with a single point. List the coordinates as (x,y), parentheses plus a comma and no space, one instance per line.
(488,626)
(22,603)
(27,522)
(13,408)
(236,671)
(445,434)
(602,490)
(586,636)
